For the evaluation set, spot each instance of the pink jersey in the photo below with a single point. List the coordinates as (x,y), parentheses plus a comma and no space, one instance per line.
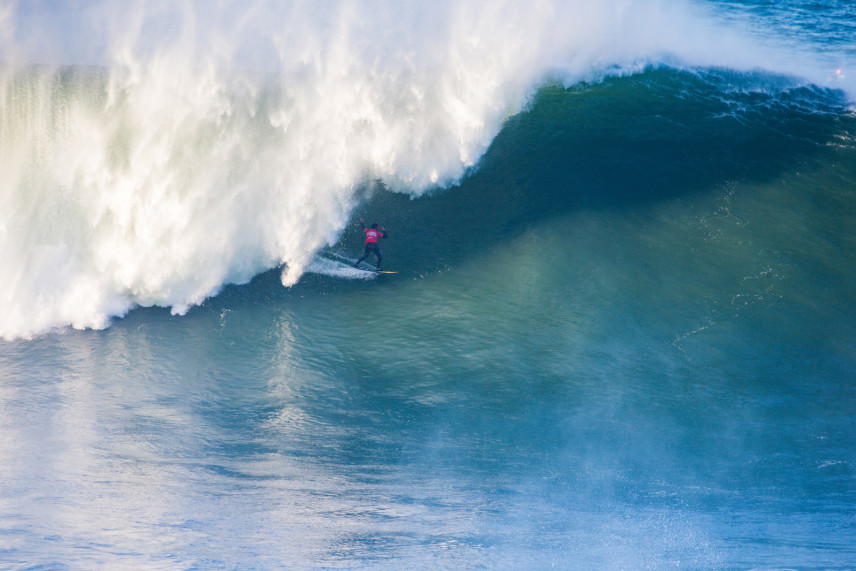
(371,235)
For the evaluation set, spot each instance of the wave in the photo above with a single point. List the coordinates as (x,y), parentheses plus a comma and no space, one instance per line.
(155,153)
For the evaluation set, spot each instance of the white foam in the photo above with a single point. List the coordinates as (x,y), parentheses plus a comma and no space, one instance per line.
(212,141)
(337,269)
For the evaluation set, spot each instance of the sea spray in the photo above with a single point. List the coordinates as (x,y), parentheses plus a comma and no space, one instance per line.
(154,152)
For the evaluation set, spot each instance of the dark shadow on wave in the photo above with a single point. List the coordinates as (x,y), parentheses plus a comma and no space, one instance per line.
(640,139)
(615,145)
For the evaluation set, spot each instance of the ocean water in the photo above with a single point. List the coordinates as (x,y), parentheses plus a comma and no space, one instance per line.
(622,334)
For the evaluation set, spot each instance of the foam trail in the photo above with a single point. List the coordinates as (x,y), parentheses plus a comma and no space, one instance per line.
(154,152)
(327,267)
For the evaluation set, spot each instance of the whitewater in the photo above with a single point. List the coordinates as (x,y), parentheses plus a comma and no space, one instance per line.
(154,153)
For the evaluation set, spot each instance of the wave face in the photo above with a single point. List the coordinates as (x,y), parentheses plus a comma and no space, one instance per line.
(155,153)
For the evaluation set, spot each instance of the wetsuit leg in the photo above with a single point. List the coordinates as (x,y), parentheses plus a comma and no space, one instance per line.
(365,255)
(371,249)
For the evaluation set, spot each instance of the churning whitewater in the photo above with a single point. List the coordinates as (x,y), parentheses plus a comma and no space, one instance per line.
(159,152)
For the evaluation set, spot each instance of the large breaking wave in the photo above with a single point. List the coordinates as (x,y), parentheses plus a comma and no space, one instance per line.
(153,153)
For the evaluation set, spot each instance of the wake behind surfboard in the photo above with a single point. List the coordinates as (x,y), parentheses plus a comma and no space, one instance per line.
(364,266)
(341,266)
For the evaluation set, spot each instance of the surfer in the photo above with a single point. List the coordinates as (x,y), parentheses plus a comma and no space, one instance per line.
(372,234)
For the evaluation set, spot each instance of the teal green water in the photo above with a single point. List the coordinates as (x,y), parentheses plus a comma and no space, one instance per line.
(625,341)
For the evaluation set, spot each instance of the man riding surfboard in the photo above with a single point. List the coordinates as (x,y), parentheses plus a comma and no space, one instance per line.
(372,235)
